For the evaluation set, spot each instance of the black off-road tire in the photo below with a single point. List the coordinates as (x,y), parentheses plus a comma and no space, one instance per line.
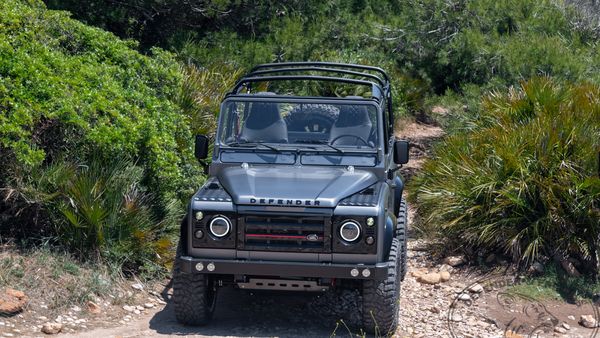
(381,298)
(325,113)
(194,296)
(401,225)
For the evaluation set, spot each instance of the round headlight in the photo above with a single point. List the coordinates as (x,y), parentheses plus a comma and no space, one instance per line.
(199,215)
(220,226)
(350,231)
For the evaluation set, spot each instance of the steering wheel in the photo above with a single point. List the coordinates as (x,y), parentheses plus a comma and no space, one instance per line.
(311,122)
(358,138)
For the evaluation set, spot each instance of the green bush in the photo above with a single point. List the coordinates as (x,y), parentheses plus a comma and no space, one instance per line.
(201,94)
(66,88)
(525,179)
(102,210)
(69,91)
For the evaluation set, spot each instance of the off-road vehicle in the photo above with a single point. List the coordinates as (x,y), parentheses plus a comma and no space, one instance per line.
(303,194)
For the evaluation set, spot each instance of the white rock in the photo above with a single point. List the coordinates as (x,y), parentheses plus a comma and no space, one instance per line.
(454,261)
(149,305)
(456,318)
(6,334)
(571,317)
(76,308)
(139,307)
(464,296)
(136,311)
(559,329)
(52,328)
(137,286)
(129,308)
(566,326)
(588,321)
(476,288)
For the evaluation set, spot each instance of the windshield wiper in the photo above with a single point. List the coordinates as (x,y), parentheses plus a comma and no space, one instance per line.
(252,144)
(321,143)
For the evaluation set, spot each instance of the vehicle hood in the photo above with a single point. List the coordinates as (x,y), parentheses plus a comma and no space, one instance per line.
(293,186)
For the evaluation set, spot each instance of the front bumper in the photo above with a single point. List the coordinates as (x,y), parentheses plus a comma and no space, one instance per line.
(282,269)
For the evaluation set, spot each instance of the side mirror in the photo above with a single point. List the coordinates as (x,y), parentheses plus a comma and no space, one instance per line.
(401,149)
(201,147)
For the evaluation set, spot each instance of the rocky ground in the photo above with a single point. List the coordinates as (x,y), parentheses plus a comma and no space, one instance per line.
(442,296)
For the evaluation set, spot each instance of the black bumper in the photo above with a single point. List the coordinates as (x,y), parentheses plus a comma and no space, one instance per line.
(281,269)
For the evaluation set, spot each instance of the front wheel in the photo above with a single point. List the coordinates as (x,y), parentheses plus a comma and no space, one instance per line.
(381,298)
(194,295)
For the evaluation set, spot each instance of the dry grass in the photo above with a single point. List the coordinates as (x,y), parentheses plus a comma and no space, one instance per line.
(55,281)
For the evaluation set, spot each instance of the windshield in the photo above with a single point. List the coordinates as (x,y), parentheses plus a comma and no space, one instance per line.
(332,126)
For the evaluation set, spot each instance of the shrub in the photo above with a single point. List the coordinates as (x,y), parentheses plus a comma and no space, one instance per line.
(201,94)
(66,88)
(525,179)
(69,91)
(101,210)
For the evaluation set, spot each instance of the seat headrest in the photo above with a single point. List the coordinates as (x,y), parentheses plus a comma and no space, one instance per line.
(262,115)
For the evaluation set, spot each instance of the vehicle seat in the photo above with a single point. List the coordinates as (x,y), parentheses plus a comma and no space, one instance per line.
(352,120)
(264,124)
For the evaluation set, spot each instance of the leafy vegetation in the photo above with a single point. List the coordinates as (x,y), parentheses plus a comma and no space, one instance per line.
(101,210)
(525,180)
(72,91)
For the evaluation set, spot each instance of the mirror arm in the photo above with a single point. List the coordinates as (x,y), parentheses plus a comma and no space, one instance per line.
(392,171)
(204,166)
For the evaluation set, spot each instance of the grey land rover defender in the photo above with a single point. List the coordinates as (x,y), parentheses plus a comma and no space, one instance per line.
(303,194)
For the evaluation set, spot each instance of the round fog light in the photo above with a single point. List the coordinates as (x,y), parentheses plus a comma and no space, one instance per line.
(199,266)
(370,240)
(199,234)
(199,215)
(354,272)
(370,221)
(210,267)
(366,273)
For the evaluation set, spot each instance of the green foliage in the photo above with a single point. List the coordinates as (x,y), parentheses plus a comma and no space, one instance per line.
(102,210)
(69,89)
(201,94)
(525,179)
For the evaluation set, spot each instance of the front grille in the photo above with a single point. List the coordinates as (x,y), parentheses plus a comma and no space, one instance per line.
(285,233)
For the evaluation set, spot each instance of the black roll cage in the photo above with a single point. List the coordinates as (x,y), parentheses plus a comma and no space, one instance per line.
(351,73)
